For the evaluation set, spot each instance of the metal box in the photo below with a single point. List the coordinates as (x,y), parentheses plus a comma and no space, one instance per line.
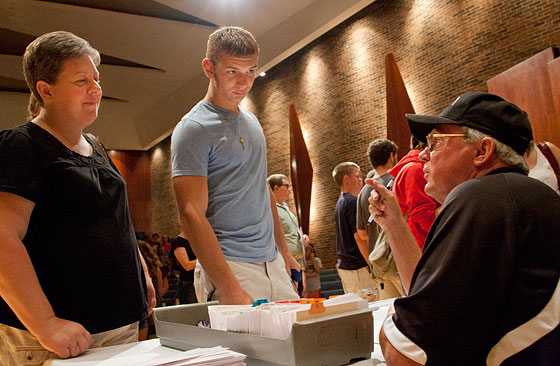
(329,341)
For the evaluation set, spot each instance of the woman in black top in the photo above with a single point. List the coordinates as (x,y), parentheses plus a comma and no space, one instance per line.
(181,251)
(69,262)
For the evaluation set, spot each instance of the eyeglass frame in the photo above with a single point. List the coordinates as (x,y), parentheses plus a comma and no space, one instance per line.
(429,145)
(285,185)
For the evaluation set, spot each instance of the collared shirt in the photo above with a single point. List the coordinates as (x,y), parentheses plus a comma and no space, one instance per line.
(485,287)
(291,231)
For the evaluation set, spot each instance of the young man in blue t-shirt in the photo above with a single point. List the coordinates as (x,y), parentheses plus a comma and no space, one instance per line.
(219,173)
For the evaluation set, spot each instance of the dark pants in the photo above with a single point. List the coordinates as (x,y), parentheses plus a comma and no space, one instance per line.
(186,293)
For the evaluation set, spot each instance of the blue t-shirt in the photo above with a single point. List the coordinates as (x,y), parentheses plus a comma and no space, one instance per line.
(230,151)
(349,256)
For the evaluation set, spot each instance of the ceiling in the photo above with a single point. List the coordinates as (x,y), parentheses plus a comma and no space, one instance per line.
(151,52)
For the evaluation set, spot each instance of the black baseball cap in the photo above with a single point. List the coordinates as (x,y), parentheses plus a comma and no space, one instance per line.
(485,112)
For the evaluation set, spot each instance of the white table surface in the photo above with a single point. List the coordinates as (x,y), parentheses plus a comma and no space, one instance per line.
(129,354)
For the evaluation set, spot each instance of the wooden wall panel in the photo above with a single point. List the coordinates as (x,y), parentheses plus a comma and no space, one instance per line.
(554,74)
(134,166)
(398,103)
(529,86)
(301,171)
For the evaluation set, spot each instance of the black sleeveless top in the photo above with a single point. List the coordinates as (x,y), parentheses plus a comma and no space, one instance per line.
(80,237)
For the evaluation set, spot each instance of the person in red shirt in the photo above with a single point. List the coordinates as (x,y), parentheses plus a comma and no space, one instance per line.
(409,189)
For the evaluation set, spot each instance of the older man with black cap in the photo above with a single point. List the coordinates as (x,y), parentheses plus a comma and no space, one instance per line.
(485,290)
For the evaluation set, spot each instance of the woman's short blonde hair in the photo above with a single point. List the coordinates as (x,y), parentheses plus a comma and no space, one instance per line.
(44,57)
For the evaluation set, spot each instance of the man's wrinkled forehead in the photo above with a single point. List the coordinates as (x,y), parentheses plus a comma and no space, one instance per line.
(447,128)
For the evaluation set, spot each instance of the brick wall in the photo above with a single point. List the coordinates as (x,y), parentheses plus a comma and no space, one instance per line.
(442,48)
(164,207)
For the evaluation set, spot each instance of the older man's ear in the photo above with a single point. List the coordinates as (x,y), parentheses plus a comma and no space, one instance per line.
(484,151)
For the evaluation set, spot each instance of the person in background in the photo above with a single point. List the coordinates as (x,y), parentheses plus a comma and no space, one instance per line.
(313,266)
(219,166)
(382,155)
(543,161)
(181,251)
(33,107)
(486,288)
(71,276)
(281,190)
(166,245)
(419,208)
(155,240)
(352,267)
(146,326)
(154,265)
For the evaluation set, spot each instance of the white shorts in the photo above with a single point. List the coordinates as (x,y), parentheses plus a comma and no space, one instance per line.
(267,280)
(358,279)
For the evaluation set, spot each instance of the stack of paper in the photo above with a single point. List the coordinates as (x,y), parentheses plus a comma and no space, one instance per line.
(219,314)
(216,356)
(275,320)
(268,320)
(150,353)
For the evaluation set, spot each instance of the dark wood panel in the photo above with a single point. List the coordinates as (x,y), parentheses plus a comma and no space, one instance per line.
(398,103)
(301,171)
(554,75)
(134,167)
(528,85)
(141,215)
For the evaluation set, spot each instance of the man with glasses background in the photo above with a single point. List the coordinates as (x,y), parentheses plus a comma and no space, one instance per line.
(485,289)
(281,190)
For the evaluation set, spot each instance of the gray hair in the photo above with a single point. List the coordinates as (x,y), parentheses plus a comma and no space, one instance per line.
(503,152)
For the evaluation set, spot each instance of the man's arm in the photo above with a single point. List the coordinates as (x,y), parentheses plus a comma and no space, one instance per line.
(191,193)
(152,301)
(20,288)
(387,213)
(390,353)
(183,259)
(362,240)
(280,239)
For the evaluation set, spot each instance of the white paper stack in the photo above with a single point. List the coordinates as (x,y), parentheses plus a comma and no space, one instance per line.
(219,314)
(272,320)
(215,356)
(150,353)
(275,320)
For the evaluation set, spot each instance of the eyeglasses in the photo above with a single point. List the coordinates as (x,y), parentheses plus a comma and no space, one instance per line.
(285,185)
(435,140)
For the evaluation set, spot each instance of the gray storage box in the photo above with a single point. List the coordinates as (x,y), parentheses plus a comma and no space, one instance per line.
(332,340)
